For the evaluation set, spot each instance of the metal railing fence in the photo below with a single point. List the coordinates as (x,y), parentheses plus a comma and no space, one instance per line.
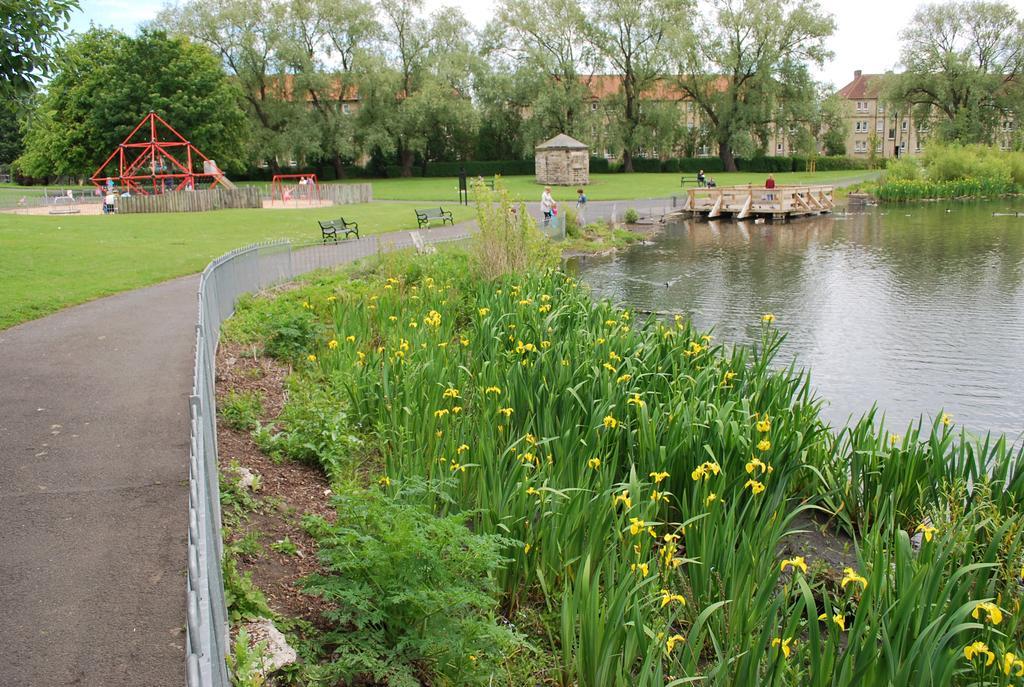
(222,282)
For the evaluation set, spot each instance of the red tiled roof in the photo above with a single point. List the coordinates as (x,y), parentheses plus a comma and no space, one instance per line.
(604,85)
(863,87)
(332,92)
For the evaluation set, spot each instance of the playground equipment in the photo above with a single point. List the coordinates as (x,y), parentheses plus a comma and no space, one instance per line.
(295,188)
(155,158)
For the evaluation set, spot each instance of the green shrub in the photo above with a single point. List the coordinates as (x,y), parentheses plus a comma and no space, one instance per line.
(245,663)
(509,241)
(241,410)
(244,600)
(409,592)
(631,216)
(313,429)
(292,335)
(903,169)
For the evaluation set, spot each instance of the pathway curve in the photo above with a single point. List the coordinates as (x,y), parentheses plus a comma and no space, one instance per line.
(93,488)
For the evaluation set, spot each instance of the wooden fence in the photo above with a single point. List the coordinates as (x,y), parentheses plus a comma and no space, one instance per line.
(193,201)
(345,194)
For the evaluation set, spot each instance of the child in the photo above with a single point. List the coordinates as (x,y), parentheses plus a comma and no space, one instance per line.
(581,199)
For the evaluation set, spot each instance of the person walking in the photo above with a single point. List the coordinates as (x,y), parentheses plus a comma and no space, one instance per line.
(547,205)
(581,207)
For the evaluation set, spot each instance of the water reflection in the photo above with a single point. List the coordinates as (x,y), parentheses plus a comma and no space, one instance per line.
(916,309)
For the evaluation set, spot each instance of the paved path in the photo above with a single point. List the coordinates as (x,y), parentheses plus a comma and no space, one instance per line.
(93,497)
(93,463)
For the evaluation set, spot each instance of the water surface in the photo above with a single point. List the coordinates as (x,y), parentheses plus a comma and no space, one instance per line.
(917,308)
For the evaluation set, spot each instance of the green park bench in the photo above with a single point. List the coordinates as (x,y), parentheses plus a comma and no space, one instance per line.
(330,229)
(424,217)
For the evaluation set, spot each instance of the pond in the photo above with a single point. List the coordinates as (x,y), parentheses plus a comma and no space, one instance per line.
(917,309)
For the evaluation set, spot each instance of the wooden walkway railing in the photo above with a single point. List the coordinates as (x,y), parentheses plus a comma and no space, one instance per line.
(742,202)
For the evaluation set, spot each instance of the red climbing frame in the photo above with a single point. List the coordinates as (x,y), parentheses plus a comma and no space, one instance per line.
(156,158)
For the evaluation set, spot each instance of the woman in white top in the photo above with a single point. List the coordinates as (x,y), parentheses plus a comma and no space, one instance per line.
(547,205)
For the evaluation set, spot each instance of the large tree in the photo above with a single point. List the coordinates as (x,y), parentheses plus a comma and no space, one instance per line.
(415,100)
(321,44)
(545,42)
(744,59)
(105,82)
(635,39)
(246,35)
(963,62)
(30,30)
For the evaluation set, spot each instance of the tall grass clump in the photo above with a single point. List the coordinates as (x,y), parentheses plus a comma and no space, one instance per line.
(633,503)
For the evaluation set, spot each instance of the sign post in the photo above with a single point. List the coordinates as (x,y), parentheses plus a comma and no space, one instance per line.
(463,191)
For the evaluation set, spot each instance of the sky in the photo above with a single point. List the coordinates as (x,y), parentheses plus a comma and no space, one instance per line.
(867,35)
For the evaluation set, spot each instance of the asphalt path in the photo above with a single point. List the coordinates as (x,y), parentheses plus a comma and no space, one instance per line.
(94,439)
(93,498)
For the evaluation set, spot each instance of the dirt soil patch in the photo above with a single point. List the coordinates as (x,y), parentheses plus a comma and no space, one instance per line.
(288,490)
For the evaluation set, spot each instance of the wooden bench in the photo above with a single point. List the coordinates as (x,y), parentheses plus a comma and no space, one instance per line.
(424,217)
(684,179)
(331,228)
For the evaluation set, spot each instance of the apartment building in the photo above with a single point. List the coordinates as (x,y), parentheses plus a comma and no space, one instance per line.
(870,128)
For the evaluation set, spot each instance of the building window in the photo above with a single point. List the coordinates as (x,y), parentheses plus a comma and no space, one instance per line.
(904,125)
(704,152)
(345,108)
(917,146)
(878,147)
(779,148)
(903,147)
(879,126)
(593,106)
(892,134)
(881,108)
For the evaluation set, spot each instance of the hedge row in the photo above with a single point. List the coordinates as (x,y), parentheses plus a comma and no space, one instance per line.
(713,165)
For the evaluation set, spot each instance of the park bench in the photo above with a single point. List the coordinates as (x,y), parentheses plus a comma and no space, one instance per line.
(424,217)
(331,228)
(688,179)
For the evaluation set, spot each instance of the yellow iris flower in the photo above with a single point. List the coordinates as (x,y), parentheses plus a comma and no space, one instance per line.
(977,650)
(850,575)
(993,614)
(797,562)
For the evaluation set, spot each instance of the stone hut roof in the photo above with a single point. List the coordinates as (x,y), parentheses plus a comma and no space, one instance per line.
(562,142)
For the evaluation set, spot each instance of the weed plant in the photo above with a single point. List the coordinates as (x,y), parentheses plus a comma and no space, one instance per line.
(628,485)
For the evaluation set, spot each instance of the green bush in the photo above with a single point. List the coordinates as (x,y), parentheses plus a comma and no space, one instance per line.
(764,163)
(409,592)
(313,429)
(292,335)
(242,410)
(631,216)
(903,169)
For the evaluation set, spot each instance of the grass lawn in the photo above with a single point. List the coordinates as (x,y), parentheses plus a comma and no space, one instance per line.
(601,187)
(48,263)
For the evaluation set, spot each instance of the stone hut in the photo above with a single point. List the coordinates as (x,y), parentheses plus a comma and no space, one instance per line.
(562,161)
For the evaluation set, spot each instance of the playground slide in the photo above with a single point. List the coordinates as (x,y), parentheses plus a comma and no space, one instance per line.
(224,181)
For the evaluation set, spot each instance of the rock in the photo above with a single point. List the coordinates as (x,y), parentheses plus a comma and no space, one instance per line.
(277,653)
(246,478)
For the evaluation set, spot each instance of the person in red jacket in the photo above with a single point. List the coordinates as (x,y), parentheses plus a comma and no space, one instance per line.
(770,185)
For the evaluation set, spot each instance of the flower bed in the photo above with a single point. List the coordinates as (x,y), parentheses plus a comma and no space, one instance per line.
(534,488)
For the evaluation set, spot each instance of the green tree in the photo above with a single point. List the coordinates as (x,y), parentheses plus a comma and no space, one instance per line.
(12,141)
(963,62)
(320,42)
(548,48)
(30,30)
(246,35)
(415,99)
(744,59)
(633,38)
(105,82)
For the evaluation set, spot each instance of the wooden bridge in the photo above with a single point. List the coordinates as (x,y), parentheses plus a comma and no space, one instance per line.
(742,202)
